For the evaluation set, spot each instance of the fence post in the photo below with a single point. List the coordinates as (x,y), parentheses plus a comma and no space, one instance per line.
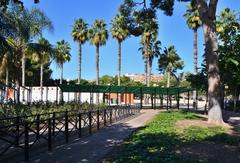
(66,126)
(53,123)
(49,134)
(17,130)
(110,116)
(79,125)
(90,122)
(26,141)
(98,125)
(151,101)
(38,126)
(104,114)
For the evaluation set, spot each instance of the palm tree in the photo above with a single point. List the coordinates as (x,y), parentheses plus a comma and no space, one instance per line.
(193,22)
(79,34)
(149,35)
(62,55)
(169,62)
(98,35)
(28,25)
(41,53)
(120,32)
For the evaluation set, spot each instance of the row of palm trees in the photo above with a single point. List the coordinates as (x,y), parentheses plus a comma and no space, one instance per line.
(27,27)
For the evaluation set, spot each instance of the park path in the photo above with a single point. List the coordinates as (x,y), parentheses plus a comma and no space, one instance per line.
(96,146)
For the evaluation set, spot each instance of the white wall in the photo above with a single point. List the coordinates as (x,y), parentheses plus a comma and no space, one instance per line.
(52,94)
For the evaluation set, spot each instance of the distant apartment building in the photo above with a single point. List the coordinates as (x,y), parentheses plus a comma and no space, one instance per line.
(141,77)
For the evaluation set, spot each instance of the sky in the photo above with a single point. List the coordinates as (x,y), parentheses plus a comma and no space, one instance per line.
(172,31)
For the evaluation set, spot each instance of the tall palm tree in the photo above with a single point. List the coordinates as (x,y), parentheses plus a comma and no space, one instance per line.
(193,22)
(169,62)
(79,34)
(41,53)
(149,35)
(120,32)
(62,55)
(98,35)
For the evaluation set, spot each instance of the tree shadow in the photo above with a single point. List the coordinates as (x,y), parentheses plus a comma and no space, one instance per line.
(169,147)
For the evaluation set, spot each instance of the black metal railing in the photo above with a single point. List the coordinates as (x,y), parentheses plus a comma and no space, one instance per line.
(20,135)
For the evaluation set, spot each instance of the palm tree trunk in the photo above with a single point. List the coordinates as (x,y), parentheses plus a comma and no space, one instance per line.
(168,79)
(119,62)
(79,68)
(23,76)
(214,87)
(195,49)
(61,79)
(145,70)
(97,71)
(41,81)
(6,83)
(195,64)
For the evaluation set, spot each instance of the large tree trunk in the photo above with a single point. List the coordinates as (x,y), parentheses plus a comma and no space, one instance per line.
(119,62)
(168,78)
(207,14)
(145,70)
(79,68)
(195,63)
(61,79)
(23,76)
(41,82)
(97,71)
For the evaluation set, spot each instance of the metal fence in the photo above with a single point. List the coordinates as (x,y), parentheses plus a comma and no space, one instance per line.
(19,135)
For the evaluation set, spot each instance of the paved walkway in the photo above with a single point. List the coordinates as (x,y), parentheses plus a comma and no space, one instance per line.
(94,147)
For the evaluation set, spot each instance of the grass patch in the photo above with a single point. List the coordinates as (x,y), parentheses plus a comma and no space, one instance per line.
(160,139)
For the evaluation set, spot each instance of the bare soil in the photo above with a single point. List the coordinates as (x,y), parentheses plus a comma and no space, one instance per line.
(210,151)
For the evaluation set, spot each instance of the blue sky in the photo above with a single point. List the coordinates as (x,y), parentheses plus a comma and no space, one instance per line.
(172,31)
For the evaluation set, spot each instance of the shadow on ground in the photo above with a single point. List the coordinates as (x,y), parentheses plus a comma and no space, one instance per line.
(162,144)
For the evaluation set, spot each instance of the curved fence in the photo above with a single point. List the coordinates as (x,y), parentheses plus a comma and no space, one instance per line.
(21,135)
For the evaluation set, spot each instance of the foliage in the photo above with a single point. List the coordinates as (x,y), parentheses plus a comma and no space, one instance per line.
(98,33)
(62,52)
(159,139)
(112,80)
(80,30)
(228,28)
(192,16)
(12,110)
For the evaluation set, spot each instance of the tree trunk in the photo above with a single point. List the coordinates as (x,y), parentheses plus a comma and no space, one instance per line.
(23,76)
(61,79)
(214,87)
(195,64)
(79,68)
(41,82)
(207,12)
(6,83)
(97,71)
(168,79)
(119,62)
(145,70)
(149,72)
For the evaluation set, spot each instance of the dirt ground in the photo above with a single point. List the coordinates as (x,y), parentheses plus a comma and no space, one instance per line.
(213,151)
